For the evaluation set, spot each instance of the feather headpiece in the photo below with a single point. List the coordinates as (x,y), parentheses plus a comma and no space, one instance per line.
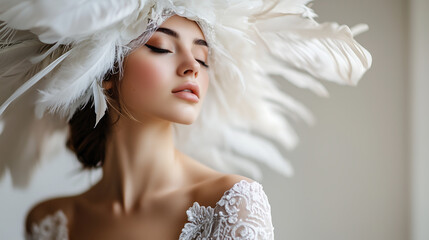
(54,54)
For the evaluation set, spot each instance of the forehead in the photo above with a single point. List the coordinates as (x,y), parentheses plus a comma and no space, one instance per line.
(184,27)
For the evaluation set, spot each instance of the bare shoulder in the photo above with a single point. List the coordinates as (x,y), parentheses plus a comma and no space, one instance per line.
(209,185)
(227,181)
(212,190)
(41,210)
(204,175)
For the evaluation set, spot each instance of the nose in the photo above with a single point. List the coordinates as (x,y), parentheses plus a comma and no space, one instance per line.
(189,66)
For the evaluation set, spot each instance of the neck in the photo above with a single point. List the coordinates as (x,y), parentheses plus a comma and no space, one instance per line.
(140,161)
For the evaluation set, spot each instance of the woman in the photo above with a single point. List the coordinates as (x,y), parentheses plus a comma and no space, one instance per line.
(147,184)
(131,76)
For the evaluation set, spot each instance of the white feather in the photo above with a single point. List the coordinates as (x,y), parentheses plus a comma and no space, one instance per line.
(257,148)
(99,101)
(85,65)
(58,20)
(32,81)
(254,46)
(326,51)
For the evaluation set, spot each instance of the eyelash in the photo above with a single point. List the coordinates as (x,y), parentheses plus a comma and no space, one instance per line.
(160,50)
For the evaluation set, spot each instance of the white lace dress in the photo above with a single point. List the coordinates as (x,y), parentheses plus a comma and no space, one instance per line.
(243,212)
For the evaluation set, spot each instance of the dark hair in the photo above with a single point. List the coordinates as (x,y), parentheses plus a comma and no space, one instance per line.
(87,142)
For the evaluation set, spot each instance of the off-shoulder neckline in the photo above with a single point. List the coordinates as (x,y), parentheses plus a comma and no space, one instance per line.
(234,187)
(60,217)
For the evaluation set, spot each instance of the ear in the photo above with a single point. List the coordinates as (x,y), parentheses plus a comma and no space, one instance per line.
(107,84)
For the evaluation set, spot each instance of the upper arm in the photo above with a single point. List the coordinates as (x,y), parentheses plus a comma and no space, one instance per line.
(41,210)
(35,215)
(244,213)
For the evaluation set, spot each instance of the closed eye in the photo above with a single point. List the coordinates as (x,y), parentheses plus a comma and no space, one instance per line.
(160,50)
(157,50)
(203,63)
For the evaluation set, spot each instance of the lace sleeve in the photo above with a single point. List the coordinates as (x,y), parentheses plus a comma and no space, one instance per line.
(243,213)
(51,227)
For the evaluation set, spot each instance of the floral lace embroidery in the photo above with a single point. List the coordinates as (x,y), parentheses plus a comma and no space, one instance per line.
(242,213)
(52,227)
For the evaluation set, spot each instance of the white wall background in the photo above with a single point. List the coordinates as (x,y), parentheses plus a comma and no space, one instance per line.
(352,169)
(419,127)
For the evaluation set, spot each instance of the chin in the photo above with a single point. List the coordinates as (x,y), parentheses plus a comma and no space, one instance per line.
(187,120)
(183,114)
(182,117)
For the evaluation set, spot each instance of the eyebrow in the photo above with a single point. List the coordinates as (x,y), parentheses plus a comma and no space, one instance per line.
(176,35)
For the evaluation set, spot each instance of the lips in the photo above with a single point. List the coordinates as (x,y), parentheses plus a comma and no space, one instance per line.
(193,87)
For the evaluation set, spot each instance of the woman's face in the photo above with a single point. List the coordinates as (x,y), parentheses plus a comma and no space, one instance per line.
(176,54)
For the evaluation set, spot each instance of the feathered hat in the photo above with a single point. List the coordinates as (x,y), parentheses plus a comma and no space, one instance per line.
(54,54)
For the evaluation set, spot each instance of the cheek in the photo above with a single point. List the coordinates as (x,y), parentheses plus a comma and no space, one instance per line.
(144,79)
(145,74)
(204,83)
